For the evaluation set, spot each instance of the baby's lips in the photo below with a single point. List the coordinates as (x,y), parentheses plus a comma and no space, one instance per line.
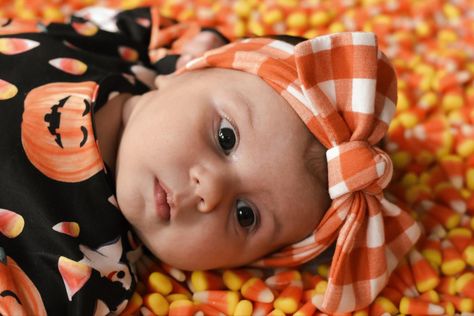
(11,223)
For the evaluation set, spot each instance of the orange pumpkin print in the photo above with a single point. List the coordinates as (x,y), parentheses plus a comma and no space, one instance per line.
(57,133)
(18,294)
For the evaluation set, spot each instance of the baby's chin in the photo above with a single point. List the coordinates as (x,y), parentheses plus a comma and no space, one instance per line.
(183,260)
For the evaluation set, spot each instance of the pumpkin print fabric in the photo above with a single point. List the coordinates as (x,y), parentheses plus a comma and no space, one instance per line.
(64,245)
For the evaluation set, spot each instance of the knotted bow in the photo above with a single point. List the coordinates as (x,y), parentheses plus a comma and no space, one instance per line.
(344,90)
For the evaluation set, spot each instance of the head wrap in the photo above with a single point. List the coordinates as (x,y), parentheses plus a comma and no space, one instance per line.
(344,89)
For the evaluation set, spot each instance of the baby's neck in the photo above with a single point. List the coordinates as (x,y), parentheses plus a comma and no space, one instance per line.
(108,127)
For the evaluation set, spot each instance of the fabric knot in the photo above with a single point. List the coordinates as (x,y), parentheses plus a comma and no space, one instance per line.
(357,166)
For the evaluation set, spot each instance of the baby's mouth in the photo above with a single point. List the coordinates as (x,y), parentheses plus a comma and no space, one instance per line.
(162,201)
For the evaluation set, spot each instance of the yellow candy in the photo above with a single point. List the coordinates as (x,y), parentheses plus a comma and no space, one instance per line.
(242,9)
(449,308)
(52,14)
(181,307)
(255,27)
(465,148)
(297,20)
(311,33)
(451,11)
(243,308)
(176,297)
(286,305)
(323,270)
(239,29)
(401,159)
(319,18)
(432,295)
(452,101)
(272,16)
(186,15)
(452,267)
(276,312)
(428,100)
(321,287)
(386,305)
(466,305)
(403,102)
(470,179)
(409,179)
(468,255)
(336,27)
(408,120)
(157,304)
(423,28)
(462,280)
(288,3)
(433,257)
(160,283)
(447,36)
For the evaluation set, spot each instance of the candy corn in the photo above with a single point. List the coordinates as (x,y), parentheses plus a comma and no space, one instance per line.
(383,306)
(243,308)
(156,303)
(255,289)
(307,309)
(181,308)
(462,304)
(419,307)
(452,259)
(234,279)
(160,283)
(205,281)
(426,278)
(262,309)
(283,279)
(289,298)
(460,238)
(224,301)
(465,284)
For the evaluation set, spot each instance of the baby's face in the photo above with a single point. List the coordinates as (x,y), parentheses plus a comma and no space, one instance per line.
(210,170)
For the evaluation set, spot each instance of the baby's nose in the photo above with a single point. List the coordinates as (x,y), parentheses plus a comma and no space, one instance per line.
(211,186)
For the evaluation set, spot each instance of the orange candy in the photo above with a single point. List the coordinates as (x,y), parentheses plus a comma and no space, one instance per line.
(255,289)
(453,262)
(289,299)
(205,281)
(419,307)
(224,301)
(426,277)
(282,279)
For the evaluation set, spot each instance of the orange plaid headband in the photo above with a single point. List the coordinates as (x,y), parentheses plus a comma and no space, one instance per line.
(344,89)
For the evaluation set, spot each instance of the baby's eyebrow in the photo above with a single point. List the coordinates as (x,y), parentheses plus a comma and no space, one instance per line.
(244,103)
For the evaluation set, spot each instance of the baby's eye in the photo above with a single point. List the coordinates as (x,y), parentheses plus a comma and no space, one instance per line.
(245,214)
(226,136)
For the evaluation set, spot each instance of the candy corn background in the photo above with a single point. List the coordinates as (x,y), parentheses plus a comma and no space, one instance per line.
(431,141)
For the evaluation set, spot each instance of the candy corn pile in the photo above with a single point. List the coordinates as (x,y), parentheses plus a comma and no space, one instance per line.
(431,141)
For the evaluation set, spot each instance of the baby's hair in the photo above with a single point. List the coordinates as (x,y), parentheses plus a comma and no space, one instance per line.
(316,165)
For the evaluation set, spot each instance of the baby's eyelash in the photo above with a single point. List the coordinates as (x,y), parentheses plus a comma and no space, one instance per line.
(226,135)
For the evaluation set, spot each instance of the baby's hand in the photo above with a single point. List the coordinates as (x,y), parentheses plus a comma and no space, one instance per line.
(197,46)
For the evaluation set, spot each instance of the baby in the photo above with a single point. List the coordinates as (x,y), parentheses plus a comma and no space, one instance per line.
(259,152)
